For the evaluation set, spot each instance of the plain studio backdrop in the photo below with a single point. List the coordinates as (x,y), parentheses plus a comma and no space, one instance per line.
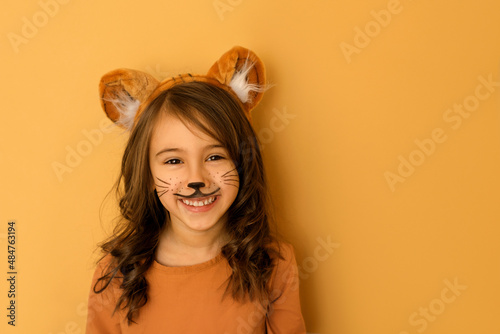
(380,137)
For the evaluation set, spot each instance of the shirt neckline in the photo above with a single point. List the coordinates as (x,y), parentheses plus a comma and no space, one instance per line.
(190,268)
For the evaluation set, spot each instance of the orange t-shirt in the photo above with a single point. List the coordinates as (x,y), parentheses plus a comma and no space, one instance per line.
(189,300)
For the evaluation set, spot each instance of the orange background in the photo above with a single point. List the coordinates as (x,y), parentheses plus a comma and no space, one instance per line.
(388,193)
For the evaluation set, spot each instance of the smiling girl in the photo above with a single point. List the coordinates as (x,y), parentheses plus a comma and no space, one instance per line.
(194,251)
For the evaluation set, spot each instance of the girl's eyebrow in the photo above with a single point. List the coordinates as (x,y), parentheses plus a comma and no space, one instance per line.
(209,147)
(175,149)
(165,150)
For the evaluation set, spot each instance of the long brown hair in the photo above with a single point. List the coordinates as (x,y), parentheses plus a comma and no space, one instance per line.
(251,251)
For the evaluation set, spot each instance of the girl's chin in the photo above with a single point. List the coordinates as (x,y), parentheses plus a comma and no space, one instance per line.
(199,224)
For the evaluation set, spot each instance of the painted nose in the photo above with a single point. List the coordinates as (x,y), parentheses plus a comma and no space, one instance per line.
(196,185)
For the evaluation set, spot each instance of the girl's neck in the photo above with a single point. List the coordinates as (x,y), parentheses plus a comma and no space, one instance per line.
(180,247)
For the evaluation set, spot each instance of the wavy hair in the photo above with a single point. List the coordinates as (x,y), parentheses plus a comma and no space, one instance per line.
(253,247)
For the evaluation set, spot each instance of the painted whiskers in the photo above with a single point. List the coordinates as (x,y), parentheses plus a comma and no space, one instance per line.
(230,178)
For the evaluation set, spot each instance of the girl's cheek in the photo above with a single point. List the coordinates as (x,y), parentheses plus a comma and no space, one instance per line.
(166,185)
(212,178)
(176,184)
(216,179)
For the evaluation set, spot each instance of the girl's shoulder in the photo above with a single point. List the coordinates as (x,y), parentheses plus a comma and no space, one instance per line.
(285,265)
(285,250)
(104,262)
(104,270)
(284,280)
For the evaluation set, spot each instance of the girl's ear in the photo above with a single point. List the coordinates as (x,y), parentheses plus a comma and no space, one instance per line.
(122,91)
(244,73)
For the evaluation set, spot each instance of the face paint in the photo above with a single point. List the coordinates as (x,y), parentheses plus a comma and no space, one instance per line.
(195,178)
(197,193)
(231,178)
(163,188)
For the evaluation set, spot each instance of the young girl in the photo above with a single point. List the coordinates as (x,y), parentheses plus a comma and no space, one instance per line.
(195,250)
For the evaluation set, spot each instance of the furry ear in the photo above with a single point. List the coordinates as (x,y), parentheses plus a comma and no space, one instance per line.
(244,73)
(122,91)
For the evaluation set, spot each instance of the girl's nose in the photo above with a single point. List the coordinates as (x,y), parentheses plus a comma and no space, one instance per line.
(197,177)
(196,185)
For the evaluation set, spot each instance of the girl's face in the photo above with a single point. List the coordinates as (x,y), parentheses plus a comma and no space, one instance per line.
(193,174)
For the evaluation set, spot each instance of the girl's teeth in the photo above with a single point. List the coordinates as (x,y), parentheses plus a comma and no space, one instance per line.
(199,203)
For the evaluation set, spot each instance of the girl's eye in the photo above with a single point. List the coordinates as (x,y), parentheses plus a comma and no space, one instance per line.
(173,161)
(215,157)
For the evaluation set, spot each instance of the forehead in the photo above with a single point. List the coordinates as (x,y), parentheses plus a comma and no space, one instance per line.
(169,129)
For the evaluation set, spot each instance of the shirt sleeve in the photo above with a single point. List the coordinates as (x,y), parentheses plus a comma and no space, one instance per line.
(285,315)
(100,318)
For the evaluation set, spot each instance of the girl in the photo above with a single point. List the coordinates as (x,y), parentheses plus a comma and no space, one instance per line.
(195,250)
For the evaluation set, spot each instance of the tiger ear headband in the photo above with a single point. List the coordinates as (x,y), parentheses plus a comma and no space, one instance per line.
(125,93)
